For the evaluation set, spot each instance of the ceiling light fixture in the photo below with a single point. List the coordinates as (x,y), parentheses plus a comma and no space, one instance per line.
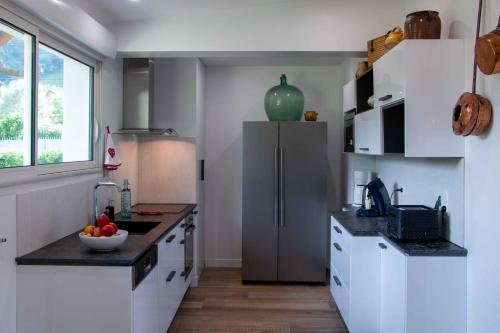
(58,2)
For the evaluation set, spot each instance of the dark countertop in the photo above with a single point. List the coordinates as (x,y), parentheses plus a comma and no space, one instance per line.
(71,251)
(376,226)
(360,226)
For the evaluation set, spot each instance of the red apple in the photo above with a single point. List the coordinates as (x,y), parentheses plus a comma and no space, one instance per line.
(97,232)
(115,227)
(107,230)
(103,220)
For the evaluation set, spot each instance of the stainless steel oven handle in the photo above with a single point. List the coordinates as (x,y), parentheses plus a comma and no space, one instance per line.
(189,230)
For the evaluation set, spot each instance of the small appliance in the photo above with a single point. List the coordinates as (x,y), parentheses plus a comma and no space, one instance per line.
(349,131)
(407,222)
(377,192)
(361,179)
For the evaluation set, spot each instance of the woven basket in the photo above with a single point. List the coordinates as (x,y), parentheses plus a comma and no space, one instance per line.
(376,49)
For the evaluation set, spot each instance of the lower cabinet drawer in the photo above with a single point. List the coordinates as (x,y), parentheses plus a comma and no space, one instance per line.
(338,233)
(168,296)
(340,293)
(340,261)
(340,251)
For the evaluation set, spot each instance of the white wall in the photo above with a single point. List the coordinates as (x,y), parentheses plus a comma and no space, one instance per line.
(313,25)
(423,180)
(200,155)
(482,165)
(234,95)
(74,22)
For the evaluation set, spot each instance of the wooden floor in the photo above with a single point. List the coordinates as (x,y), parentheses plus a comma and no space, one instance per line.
(222,303)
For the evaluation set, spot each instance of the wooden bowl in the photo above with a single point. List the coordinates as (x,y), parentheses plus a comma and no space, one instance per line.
(310,115)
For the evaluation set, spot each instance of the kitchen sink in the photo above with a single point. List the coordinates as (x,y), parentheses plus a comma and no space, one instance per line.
(137,227)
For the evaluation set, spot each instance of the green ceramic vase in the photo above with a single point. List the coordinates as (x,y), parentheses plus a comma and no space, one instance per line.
(284,102)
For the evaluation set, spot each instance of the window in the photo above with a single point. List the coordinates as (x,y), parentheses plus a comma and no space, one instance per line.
(64,108)
(46,101)
(16,96)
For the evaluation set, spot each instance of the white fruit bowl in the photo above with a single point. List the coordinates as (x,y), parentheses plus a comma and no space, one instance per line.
(104,243)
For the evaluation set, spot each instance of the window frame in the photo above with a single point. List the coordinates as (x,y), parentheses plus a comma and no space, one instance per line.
(52,39)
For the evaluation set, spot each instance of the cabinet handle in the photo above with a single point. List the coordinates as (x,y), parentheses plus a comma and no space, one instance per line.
(182,241)
(382,246)
(195,212)
(3,240)
(337,281)
(385,98)
(170,239)
(170,276)
(337,246)
(364,149)
(183,273)
(337,229)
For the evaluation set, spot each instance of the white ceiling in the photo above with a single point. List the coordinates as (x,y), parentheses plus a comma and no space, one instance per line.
(110,12)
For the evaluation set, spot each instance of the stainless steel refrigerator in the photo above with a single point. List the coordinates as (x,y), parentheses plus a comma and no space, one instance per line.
(284,201)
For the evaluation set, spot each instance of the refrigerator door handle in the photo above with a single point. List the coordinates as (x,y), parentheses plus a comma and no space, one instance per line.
(276,186)
(282,188)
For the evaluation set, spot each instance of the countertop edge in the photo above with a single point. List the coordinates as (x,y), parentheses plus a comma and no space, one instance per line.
(459,253)
(23,261)
(456,253)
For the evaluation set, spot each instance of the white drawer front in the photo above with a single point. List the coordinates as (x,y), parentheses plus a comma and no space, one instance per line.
(340,293)
(340,260)
(338,232)
(340,250)
(167,249)
(169,302)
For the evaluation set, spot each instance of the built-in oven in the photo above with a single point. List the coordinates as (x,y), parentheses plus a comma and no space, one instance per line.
(349,131)
(189,228)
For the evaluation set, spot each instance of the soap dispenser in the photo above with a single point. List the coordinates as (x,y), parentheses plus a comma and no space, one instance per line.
(126,201)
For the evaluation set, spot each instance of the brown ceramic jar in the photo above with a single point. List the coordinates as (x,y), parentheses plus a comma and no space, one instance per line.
(423,25)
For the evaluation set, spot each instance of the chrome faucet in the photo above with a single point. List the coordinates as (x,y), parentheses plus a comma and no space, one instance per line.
(96,203)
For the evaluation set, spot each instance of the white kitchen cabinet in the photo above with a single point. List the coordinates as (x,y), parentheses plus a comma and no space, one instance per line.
(367,133)
(82,299)
(421,294)
(170,282)
(429,76)
(145,310)
(7,264)
(349,96)
(388,78)
(354,279)
(392,290)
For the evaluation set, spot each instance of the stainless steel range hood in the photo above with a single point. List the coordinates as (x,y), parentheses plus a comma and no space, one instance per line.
(138,99)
